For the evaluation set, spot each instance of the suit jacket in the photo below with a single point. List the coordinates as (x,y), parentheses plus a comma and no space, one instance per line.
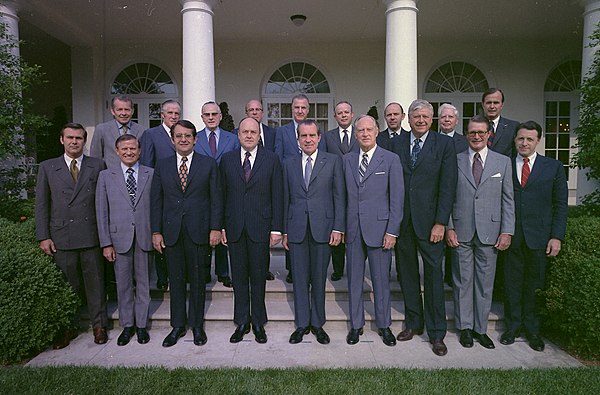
(375,205)
(430,187)
(487,209)
(269,140)
(197,211)
(227,142)
(333,143)
(286,142)
(120,221)
(323,204)
(383,138)
(504,137)
(103,141)
(541,207)
(460,142)
(65,210)
(256,205)
(156,144)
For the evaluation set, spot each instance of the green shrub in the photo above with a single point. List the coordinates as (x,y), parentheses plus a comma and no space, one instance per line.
(572,294)
(37,302)
(16,209)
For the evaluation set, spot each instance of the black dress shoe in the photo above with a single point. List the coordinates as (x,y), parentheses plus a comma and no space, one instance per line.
(63,339)
(142,336)
(225,280)
(336,276)
(259,334)
(270,276)
(484,340)
(387,336)
(199,336)
(162,286)
(466,338)
(408,334)
(507,338)
(536,342)
(172,337)
(239,333)
(320,334)
(288,278)
(438,347)
(125,336)
(298,334)
(353,334)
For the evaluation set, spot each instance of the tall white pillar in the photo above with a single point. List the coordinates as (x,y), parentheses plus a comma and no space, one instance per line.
(401,83)
(591,17)
(8,16)
(198,58)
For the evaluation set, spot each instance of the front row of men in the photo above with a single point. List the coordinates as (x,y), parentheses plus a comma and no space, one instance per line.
(408,200)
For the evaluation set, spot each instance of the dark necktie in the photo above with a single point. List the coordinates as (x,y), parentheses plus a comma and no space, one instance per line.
(246,166)
(345,141)
(74,170)
(212,143)
(131,185)
(477,168)
(492,134)
(525,172)
(362,169)
(307,171)
(183,173)
(414,155)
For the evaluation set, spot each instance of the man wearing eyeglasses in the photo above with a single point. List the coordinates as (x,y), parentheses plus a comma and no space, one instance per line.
(481,225)
(254,110)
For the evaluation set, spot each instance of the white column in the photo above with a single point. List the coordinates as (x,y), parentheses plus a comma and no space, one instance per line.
(8,16)
(401,83)
(591,17)
(198,58)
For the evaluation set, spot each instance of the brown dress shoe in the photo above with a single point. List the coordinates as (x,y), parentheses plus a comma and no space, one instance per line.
(439,348)
(408,334)
(100,336)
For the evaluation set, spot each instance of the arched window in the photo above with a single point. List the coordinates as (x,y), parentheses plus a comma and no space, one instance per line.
(460,84)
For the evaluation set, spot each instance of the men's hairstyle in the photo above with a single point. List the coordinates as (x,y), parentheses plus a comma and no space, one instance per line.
(126,137)
(164,105)
(449,106)
(531,125)
(480,118)
(419,104)
(342,102)
(490,92)
(121,98)
(243,119)
(73,125)
(210,102)
(366,116)
(308,122)
(396,103)
(246,106)
(300,96)
(186,124)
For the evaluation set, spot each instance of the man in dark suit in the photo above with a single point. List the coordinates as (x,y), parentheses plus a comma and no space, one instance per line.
(123,215)
(541,194)
(429,164)
(394,115)
(214,142)
(374,185)
(252,192)
(481,224)
(314,209)
(186,220)
(503,129)
(340,141)
(65,225)
(156,145)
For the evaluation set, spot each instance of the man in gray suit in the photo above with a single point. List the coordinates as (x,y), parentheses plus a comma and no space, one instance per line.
(65,225)
(105,134)
(314,204)
(123,215)
(375,190)
(481,224)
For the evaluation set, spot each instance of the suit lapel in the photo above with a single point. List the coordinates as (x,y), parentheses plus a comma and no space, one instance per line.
(119,179)
(63,171)
(141,183)
(489,169)
(374,163)
(83,174)
(465,167)
(203,147)
(319,165)
(223,143)
(499,131)
(258,161)
(297,172)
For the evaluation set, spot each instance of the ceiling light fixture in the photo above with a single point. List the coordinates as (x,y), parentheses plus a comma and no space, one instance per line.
(298,19)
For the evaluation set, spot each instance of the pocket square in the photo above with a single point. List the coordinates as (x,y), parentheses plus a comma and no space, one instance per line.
(380,172)
(497,175)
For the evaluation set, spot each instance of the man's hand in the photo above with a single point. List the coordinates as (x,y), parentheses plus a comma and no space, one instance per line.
(158,243)
(284,243)
(335,239)
(452,238)
(275,239)
(553,247)
(437,233)
(503,242)
(214,237)
(389,242)
(109,253)
(224,238)
(48,247)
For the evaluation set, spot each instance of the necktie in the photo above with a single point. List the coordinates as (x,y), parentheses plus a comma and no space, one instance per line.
(525,172)
(477,168)
(131,185)
(362,169)
(212,143)
(414,155)
(345,141)
(246,166)
(307,171)
(492,134)
(124,128)
(183,173)
(74,170)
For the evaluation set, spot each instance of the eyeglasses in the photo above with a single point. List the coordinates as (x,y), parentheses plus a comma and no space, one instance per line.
(187,136)
(254,109)
(479,133)
(210,114)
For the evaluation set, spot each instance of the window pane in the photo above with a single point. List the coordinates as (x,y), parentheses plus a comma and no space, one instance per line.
(551,108)
(564,141)
(551,126)
(564,108)
(322,110)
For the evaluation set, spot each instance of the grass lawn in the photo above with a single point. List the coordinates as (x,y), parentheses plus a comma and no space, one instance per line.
(91,380)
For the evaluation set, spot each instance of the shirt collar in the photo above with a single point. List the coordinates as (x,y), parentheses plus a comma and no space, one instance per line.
(135,167)
(483,154)
(422,138)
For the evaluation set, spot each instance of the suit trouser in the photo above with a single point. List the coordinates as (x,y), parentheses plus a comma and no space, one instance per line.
(187,258)
(160,263)
(133,286)
(221,260)
(309,261)
(434,313)
(249,265)
(338,258)
(524,273)
(84,269)
(379,266)
(473,276)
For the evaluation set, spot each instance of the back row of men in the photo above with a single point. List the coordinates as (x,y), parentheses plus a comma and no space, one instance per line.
(355,192)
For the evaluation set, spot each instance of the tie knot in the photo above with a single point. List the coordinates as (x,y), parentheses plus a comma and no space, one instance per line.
(345,131)
(477,156)
(308,159)
(365,156)
(417,141)
(184,159)
(130,170)
(525,160)
(248,154)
